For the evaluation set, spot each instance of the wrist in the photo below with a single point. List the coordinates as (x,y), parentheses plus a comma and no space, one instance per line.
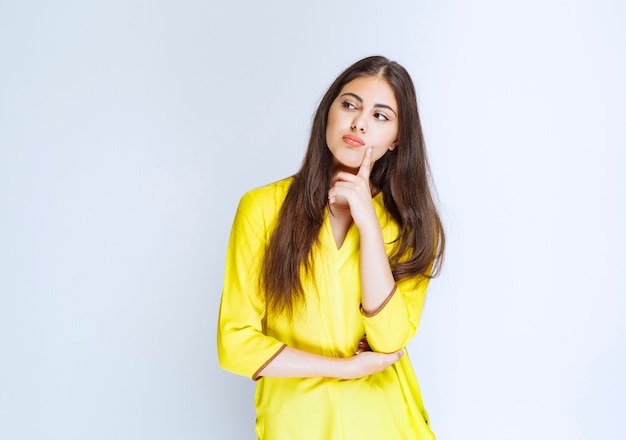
(370,226)
(343,368)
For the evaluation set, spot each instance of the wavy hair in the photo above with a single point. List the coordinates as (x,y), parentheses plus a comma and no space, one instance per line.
(402,175)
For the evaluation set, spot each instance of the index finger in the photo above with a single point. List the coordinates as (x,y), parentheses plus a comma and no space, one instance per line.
(366,166)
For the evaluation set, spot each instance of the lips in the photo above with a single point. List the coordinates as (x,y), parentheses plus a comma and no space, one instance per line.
(353,140)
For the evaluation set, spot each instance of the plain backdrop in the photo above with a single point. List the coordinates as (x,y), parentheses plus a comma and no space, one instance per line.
(130,129)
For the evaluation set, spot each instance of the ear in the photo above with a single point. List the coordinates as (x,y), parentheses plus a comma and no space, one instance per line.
(393,146)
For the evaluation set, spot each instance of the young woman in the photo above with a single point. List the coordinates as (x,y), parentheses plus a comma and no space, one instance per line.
(326,271)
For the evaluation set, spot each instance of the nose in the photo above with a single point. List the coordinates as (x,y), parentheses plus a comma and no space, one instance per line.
(359,124)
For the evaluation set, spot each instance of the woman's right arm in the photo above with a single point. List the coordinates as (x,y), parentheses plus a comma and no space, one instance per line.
(291,362)
(242,346)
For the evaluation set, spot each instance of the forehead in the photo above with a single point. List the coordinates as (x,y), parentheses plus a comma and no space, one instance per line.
(372,89)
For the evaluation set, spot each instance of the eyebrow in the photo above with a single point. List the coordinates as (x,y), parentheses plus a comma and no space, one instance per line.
(358,98)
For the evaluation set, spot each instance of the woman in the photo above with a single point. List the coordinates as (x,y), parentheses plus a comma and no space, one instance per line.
(326,271)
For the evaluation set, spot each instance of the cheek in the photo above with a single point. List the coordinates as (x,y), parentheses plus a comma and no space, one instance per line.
(331,126)
(392,137)
(379,153)
(387,139)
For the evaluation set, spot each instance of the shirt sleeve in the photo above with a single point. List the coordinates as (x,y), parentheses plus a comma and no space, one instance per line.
(394,324)
(242,346)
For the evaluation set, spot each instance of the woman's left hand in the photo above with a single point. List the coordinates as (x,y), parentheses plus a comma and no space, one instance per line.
(354,190)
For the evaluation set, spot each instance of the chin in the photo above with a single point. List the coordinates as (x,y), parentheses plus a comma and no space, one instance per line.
(347,163)
(353,168)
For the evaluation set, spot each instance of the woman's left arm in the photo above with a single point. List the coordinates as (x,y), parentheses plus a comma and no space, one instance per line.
(390,311)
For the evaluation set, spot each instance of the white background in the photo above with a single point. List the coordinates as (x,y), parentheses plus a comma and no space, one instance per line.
(129,130)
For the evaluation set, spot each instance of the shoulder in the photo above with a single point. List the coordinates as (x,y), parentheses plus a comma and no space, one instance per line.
(265,201)
(268,195)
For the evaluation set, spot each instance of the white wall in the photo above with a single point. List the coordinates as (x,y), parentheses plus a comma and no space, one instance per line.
(129,130)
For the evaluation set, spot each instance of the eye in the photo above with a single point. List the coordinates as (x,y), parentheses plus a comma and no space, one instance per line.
(348,105)
(381,116)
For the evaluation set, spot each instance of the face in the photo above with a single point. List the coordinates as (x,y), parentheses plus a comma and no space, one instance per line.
(364,114)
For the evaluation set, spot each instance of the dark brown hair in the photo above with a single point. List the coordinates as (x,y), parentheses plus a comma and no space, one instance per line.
(402,174)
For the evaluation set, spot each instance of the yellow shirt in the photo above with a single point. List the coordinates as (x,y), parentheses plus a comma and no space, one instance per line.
(385,405)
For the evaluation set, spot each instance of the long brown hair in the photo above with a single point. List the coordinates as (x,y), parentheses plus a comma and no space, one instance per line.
(402,175)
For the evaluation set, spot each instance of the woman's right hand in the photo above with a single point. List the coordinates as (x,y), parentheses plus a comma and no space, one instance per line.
(370,362)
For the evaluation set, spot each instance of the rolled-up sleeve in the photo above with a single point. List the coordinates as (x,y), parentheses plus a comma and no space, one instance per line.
(394,324)
(242,346)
